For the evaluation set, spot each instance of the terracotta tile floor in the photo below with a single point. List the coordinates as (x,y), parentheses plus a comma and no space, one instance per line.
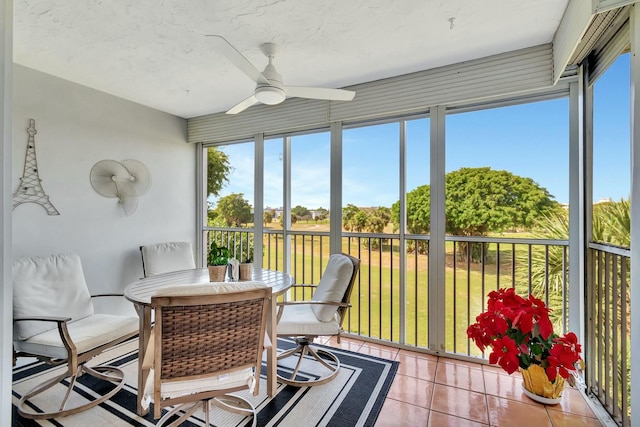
(438,391)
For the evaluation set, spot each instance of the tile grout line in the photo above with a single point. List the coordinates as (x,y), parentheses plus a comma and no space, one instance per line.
(439,359)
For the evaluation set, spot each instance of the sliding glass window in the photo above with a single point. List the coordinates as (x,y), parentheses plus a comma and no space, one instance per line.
(506,185)
(310,197)
(230,198)
(370,186)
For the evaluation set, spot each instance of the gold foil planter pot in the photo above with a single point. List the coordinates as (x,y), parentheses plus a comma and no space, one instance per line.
(537,386)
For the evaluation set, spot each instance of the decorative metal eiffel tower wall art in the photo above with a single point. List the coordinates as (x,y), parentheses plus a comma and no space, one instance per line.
(30,189)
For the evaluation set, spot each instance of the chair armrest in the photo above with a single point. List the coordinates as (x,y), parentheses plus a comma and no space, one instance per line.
(106,295)
(62,329)
(302,285)
(303,289)
(337,303)
(283,303)
(113,303)
(266,345)
(43,319)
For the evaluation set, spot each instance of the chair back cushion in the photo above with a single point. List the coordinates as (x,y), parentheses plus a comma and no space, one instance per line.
(332,286)
(48,286)
(165,257)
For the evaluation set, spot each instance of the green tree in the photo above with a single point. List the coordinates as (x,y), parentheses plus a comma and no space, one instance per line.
(483,200)
(359,221)
(214,219)
(267,217)
(418,211)
(294,219)
(300,211)
(378,219)
(418,216)
(218,169)
(321,214)
(480,200)
(347,216)
(234,209)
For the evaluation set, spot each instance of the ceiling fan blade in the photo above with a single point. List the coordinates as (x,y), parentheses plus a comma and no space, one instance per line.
(319,93)
(243,105)
(236,58)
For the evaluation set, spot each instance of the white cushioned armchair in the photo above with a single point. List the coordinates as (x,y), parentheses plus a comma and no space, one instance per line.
(321,316)
(54,321)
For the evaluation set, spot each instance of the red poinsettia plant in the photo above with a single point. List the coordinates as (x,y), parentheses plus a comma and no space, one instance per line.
(520,334)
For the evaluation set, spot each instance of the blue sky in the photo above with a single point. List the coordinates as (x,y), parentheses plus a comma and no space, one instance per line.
(611,133)
(528,140)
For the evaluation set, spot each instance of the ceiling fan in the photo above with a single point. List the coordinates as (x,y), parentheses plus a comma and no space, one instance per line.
(270,88)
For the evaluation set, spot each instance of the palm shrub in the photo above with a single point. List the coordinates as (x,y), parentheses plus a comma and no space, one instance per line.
(611,224)
(548,263)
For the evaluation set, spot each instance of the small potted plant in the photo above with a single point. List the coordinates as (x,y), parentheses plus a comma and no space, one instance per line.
(245,269)
(246,262)
(217,260)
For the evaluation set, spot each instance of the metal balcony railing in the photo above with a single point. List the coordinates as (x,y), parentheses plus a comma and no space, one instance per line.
(390,298)
(608,345)
(389,302)
(477,265)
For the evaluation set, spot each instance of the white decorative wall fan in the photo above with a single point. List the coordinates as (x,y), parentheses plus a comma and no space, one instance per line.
(126,181)
(270,88)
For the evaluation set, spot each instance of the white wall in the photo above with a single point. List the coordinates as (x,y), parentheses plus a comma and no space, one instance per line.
(6,305)
(78,127)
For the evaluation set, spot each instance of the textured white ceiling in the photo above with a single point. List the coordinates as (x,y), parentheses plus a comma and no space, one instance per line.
(155,52)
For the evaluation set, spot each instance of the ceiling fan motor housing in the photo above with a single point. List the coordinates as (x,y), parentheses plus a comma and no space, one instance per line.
(273,93)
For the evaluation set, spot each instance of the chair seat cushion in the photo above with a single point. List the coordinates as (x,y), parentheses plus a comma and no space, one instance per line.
(170,390)
(300,320)
(86,333)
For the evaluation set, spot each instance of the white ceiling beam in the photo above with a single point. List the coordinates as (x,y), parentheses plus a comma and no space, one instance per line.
(575,22)
(604,5)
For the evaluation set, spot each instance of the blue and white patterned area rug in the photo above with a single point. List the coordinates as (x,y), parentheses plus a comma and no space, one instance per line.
(353,398)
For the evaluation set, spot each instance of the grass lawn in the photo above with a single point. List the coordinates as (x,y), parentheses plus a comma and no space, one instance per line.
(376,301)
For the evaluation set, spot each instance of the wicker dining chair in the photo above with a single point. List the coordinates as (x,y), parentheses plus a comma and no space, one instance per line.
(323,315)
(207,342)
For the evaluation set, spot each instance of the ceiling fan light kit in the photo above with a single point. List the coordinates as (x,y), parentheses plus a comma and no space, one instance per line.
(270,89)
(269,95)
